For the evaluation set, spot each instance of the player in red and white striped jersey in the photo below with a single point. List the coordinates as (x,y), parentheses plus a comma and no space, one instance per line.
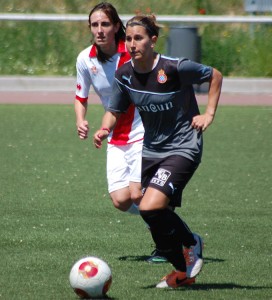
(96,66)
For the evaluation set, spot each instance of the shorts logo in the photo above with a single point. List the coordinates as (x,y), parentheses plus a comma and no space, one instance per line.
(161,76)
(161,177)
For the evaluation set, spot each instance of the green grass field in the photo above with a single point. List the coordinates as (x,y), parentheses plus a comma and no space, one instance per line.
(55,209)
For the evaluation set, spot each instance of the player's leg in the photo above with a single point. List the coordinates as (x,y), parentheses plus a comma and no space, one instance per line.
(117,176)
(121,199)
(193,257)
(170,176)
(135,189)
(166,180)
(165,228)
(192,242)
(134,163)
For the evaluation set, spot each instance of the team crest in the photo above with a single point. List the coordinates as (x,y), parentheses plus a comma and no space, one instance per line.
(94,70)
(162,78)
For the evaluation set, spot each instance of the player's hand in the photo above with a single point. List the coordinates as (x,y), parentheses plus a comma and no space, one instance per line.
(83,130)
(99,136)
(201,122)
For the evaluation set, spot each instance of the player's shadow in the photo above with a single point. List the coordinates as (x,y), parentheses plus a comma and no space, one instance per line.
(199,286)
(207,260)
(134,257)
(215,286)
(104,298)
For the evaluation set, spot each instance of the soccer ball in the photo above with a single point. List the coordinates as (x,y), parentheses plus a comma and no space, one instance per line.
(90,277)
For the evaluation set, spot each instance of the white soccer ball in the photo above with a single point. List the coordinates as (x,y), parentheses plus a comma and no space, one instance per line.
(90,277)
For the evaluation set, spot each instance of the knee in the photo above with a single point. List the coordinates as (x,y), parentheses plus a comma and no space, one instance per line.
(136,197)
(121,205)
(135,192)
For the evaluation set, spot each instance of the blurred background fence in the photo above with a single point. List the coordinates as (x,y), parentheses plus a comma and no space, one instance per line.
(48,44)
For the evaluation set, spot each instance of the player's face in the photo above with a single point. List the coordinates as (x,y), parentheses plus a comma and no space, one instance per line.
(103,29)
(139,44)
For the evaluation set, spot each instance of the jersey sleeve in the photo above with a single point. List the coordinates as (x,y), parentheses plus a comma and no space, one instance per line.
(83,80)
(192,72)
(120,100)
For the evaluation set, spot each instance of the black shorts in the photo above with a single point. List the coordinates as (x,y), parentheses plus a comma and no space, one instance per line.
(168,175)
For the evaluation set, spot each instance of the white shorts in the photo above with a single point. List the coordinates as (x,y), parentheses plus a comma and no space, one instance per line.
(124,164)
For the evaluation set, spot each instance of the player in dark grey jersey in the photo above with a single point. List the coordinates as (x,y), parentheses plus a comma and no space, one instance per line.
(162,90)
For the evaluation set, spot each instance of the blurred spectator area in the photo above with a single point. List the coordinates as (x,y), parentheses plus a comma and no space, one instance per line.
(258,6)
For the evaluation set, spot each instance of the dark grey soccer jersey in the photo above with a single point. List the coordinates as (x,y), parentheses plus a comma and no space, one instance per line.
(166,102)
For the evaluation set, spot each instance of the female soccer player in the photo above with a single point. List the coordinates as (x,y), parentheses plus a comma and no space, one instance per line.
(96,66)
(161,89)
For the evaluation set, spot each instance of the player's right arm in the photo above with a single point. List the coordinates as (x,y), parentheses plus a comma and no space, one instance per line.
(81,123)
(82,92)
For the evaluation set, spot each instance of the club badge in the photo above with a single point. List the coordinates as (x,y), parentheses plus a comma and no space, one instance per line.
(94,70)
(162,78)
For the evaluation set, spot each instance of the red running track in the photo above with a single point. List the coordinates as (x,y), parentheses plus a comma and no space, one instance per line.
(68,98)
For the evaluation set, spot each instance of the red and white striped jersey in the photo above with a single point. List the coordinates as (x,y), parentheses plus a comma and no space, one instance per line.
(91,72)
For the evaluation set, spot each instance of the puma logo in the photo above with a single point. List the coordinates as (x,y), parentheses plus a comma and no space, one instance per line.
(172,187)
(127,79)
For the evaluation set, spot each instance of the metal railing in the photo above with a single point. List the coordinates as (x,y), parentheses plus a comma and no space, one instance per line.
(160,18)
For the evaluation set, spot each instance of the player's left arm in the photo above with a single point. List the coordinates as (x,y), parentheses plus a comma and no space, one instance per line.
(201,122)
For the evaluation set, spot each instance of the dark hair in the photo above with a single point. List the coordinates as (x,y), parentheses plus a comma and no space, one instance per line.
(148,22)
(113,16)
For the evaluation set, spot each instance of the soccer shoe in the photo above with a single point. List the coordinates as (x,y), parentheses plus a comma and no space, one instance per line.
(193,257)
(174,280)
(157,257)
